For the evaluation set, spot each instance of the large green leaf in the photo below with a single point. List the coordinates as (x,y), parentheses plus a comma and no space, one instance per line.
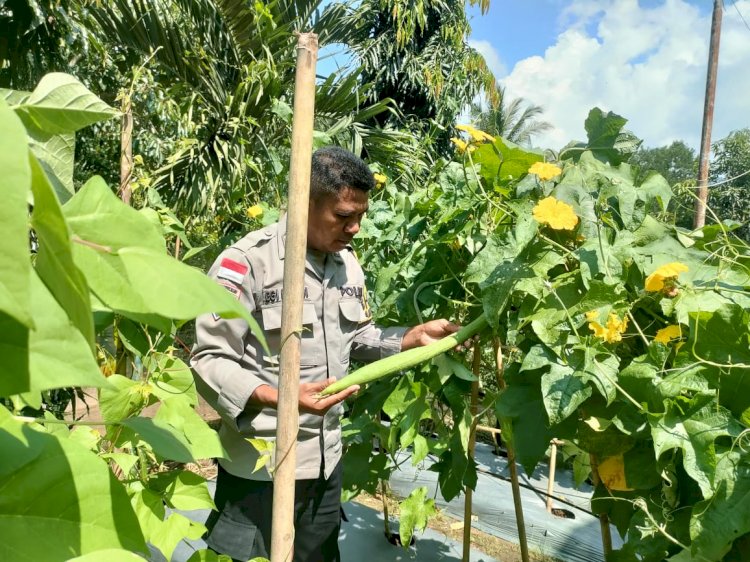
(416,511)
(15,265)
(54,355)
(563,390)
(522,408)
(58,499)
(606,137)
(692,426)
(55,154)
(183,490)
(122,398)
(178,433)
(123,256)
(514,161)
(59,355)
(61,104)
(97,216)
(719,520)
(54,261)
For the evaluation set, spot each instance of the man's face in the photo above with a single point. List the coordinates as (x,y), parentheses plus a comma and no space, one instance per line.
(333,221)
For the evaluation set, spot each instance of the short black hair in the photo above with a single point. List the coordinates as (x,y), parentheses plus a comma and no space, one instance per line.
(334,168)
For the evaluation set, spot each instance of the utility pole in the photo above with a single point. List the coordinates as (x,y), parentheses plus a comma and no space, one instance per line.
(699,218)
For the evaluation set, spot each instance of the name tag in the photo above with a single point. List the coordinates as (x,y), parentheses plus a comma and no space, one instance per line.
(273,296)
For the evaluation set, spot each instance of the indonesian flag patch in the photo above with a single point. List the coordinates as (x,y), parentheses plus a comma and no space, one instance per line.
(232,271)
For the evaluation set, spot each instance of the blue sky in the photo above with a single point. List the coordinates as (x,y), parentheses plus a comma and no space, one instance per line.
(644,60)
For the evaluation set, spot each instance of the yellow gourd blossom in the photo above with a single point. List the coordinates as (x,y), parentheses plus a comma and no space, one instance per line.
(380,180)
(612,331)
(254,212)
(545,170)
(669,272)
(475,134)
(665,335)
(462,145)
(557,214)
(612,473)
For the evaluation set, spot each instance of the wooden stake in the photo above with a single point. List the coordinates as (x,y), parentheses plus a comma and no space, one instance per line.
(508,438)
(476,364)
(551,479)
(699,220)
(125,191)
(282,530)
(603,518)
(126,150)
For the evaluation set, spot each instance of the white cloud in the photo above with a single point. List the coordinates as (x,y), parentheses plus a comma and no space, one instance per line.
(491,57)
(646,64)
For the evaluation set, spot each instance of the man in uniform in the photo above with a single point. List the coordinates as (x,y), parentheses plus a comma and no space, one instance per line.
(237,377)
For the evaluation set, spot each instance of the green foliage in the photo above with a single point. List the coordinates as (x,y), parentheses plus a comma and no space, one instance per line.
(729,169)
(59,263)
(586,355)
(415,512)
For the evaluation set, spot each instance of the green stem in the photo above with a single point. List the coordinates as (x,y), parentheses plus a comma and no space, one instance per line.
(406,359)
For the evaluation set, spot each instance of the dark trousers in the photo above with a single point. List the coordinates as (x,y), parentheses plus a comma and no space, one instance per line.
(241,526)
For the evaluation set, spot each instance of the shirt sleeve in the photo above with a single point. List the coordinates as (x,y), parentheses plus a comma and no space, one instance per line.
(217,361)
(373,342)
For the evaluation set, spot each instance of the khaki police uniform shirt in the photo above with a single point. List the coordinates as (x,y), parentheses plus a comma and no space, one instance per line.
(230,363)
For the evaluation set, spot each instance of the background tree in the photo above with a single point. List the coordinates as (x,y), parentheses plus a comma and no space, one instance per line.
(416,53)
(677,162)
(512,119)
(730,169)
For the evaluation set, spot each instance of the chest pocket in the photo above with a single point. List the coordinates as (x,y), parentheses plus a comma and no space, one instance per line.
(312,350)
(351,316)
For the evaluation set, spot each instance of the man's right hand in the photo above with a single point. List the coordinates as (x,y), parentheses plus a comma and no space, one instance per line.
(310,401)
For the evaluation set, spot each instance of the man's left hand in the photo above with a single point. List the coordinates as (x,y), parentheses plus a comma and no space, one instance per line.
(427,333)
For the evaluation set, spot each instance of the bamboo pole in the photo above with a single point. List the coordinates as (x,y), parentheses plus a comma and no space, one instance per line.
(125,192)
(282,530)
(508,438)
(603,517)
(476,364)
(126,150)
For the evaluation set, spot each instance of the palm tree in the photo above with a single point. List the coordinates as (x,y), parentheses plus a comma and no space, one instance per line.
(416,53)
(227,68)
(510,119)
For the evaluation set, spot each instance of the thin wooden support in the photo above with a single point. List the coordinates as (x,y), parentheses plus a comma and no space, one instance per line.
(282,523)
(603,517)
(508,438)
(476,364)
(551,479)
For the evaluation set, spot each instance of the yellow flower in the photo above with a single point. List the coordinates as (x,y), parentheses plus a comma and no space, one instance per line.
(254,212)
(592,315)
(612,331)
(669,272)
(462,145)
(545,170)
(475,134)
(380,179)
(557,214)
(665,335)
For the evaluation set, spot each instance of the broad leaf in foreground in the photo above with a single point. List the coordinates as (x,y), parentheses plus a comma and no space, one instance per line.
(82,507)
(15,184)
